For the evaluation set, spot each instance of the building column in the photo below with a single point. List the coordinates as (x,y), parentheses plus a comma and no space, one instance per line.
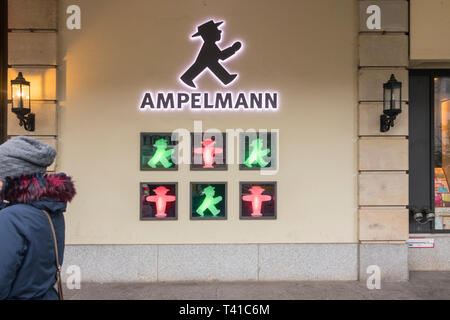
(382,157)
(32,50)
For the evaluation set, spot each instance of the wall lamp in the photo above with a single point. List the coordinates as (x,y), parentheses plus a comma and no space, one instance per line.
(392,103)
(21,105)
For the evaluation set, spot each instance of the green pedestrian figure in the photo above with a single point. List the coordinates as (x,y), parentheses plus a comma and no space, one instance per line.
(257,154)
(209,203)
(161,155)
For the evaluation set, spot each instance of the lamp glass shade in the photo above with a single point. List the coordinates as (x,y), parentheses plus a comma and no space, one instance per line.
(396,99)
(392,97)
(20,93)
(387,98)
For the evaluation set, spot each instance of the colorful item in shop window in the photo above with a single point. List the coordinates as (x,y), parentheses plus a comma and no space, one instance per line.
(440,180)
(257,198)
(438,223)
(446,199)
(439,172)
(208,152)
(160,200)
(161,155)
(209,203)
(438,200)
(257,154)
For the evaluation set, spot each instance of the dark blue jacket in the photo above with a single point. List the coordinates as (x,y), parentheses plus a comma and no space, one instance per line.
(27,255)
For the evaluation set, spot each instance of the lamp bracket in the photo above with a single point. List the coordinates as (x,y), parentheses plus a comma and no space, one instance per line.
(27,121)
(386,122)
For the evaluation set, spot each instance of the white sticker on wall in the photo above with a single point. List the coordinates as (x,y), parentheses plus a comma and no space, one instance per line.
(420,243)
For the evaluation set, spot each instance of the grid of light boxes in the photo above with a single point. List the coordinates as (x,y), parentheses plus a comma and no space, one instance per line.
(208,200)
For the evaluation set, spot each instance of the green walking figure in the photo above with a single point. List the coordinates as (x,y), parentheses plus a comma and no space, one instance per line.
(209,202)
(161,155)
(257,154)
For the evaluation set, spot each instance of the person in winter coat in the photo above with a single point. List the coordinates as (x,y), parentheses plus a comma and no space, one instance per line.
(27,253)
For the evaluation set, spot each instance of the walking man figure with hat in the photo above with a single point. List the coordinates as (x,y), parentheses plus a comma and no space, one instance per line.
(210,54)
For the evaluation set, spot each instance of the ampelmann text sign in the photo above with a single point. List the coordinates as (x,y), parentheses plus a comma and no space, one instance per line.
(204,100)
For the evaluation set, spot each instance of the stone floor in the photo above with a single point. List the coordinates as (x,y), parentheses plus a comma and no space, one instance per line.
(422,285)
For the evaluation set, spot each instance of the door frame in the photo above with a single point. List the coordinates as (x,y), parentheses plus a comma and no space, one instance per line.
(421,91)
(3,69)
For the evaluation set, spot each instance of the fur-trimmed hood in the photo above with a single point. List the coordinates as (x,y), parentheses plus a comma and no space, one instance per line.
(32,188)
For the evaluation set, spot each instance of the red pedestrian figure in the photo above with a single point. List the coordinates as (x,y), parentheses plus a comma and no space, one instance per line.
(257,198)
(161,200)
(208,152)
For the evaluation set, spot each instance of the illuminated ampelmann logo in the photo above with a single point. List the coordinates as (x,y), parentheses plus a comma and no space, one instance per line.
(211,57)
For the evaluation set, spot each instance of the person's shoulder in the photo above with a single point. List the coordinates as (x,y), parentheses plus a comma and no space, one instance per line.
(18,217)
(14,211)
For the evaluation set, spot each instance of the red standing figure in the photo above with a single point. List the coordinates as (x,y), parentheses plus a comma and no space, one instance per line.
(257,198)
(161,199)
(208,152)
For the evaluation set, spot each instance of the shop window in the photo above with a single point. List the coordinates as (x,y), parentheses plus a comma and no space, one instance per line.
(257,150)
(441,153)
(430,149)
(208,200)
(258,200)
(159,201)
(208,151)
(159,151)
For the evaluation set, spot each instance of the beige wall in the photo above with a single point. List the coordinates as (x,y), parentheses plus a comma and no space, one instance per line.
(307,50)
(430,30)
